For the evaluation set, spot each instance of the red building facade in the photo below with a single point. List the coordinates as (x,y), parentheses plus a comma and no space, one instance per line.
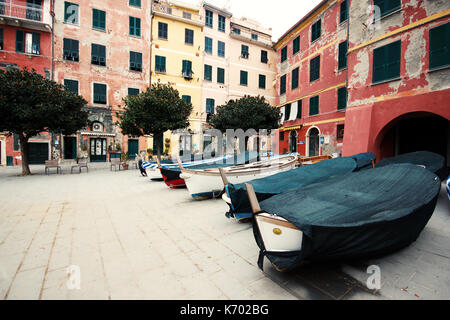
(312,80)
(399,78)
(25,41)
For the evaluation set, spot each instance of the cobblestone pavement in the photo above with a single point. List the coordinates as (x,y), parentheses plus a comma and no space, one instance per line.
(136,239)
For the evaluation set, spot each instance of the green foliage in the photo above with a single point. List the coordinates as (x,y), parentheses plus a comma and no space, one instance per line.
(154,112)
(246,113)
(30,104)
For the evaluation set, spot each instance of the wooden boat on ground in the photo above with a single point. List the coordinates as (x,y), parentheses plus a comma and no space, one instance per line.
(304,161)
(431,161)
(360,215)
(207,183)
(236,195)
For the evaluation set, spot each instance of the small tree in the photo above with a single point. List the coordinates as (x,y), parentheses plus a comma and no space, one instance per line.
(30,104)
(153,112)
(246,113)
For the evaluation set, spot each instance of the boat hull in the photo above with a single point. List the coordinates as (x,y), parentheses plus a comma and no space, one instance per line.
(207,186)
(372,213)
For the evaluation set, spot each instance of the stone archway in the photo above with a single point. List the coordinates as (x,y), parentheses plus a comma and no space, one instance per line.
(416,131)
(293,141)
(312,142)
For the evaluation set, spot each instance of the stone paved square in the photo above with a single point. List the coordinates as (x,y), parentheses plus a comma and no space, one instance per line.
(137,239)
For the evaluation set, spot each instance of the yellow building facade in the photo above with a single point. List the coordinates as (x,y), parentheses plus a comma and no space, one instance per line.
(177,58)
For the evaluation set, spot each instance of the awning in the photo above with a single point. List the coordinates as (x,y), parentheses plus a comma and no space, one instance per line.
(292,128)
(98,134)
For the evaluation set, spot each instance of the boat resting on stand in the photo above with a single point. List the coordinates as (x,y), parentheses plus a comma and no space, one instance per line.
(207,183)
(361,215)
(236,195)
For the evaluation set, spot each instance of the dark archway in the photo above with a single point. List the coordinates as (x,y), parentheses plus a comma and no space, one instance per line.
(314,142)
(293,141)
(420,131)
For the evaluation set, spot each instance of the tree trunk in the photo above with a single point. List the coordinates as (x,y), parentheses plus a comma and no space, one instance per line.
(158,146)
(24,150)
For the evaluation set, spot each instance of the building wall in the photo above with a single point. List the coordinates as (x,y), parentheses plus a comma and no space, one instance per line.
(176,50)
(333,32)
(13,19)
(375,108)
(116,74)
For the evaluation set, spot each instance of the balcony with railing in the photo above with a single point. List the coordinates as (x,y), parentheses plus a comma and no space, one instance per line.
(32,14)
(164,10)
(243,34)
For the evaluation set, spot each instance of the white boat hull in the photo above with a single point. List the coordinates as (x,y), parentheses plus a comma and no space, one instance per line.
(204,186)
(154,173)
(278,234)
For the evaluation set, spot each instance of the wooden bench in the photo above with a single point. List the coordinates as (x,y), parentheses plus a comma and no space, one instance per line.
(116,163)
(49,164)
(82,163)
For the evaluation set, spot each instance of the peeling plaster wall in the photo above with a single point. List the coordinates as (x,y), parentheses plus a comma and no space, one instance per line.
(417,90)
(117,74)
(326,87)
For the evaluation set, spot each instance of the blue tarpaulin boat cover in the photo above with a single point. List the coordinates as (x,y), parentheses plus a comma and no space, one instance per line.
(364,160)
(362,214)
(432,161)
(285,181)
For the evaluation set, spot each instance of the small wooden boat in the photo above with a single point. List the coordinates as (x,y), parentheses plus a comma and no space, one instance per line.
(206,183)
(304,161)
(171,175)
(236,195)
(360,215)
(431,161)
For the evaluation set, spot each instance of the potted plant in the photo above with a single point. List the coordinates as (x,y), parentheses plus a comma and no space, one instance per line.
(124,158)
(118,147)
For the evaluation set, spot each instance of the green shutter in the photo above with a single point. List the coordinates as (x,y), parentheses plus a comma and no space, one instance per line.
(387,6)
(70,12)
(439,46)
(72,85)
(186,99)
(210,106)
(208,45)
(160,64)
(287,112)
(133,91)
(314,69)
(20,41)
(100,93)
(342,59)
(296,45)
(342,98)
(220,75)
(1,39)
(316,30)
(136,3)
(36,43)
(208,73)
(284,54)
(386,62)
(244,78)
(299,109)
(314,106)
(98,19)
(344,11)
(283,85)
(295,78)
(262,81)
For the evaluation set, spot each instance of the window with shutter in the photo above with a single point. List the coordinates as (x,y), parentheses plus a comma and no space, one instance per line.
(71,12)
(342,98)
(135,27)
(299,109)
(98,54)
(314,71)
(208,73)
(187,69)
(189,36)
(284,54)
(296,45)
(387,6)
(316,30)
(287,112)
(160,64)
(340,132)
(208,45)
(163,32)
(262,81)
(20,41)
(440,46)
(342,59)
(220,75)
(244,51)
(186,99)
(295,78)
(344,11)
(283,85)
(221,49)
(264,58)
(244,78)
(221,23)
(70,50)
(209,18)
(136,3)
(98,19)
(210,106)
(136,61)
(314,106)
(100,93)
(1,39)
(133,91)
(386,62)
(71,85)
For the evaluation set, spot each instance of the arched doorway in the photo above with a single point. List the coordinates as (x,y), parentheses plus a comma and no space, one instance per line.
(293,141)
(419,131)
(313,142)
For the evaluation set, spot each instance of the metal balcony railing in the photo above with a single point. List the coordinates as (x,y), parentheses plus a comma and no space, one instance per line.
(30,12)
(177,13)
